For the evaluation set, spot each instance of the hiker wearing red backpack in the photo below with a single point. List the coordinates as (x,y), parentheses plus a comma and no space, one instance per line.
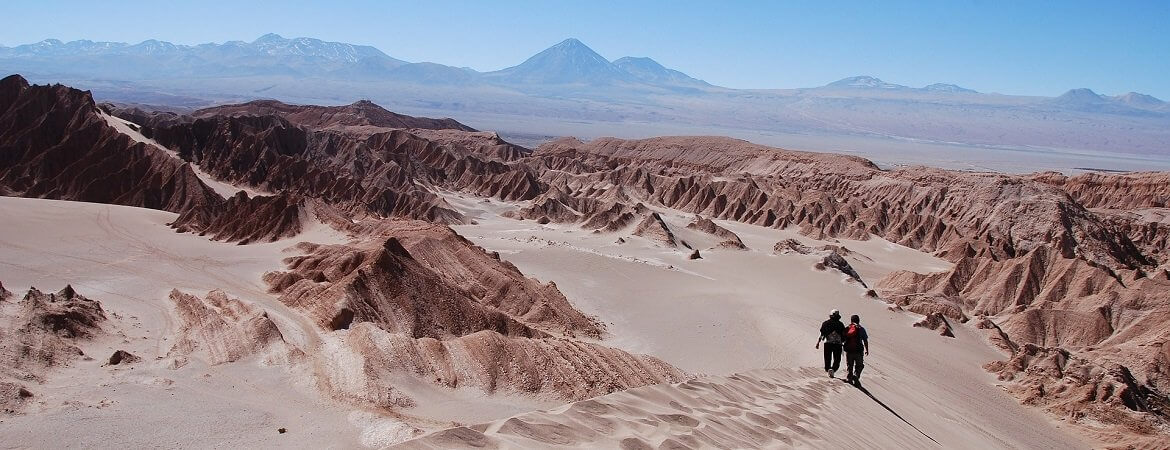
(856,340)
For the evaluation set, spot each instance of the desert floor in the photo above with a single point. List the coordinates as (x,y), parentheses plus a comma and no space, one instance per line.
(750,312)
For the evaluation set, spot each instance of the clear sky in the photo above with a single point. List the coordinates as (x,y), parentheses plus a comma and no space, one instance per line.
(1016,47)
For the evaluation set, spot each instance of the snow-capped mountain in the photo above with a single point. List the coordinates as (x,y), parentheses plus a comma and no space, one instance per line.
(649,70)
(945,87)
(864,82)
(868,82)
(569,62)
(271,54)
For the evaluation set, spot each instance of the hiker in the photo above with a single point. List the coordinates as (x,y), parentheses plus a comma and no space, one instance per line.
(833,333)
(856,339)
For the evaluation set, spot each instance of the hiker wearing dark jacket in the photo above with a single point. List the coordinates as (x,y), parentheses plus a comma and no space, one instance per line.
(856,339)
(833,333)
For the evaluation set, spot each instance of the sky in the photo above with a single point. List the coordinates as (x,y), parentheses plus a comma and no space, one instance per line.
(1032,47)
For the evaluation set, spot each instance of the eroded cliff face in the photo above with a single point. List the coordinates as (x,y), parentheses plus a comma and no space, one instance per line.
(1129,191)
(54,144)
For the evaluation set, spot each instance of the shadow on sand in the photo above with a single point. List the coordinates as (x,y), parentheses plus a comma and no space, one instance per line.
(895,413)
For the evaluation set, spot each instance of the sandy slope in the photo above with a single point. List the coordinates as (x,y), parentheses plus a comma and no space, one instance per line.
(130,129)
(765,408)
(126,258)
(129,260)
(732,311)
(735,311)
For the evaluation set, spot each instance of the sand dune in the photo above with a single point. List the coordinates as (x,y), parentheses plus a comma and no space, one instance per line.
(765,408)
(739,311)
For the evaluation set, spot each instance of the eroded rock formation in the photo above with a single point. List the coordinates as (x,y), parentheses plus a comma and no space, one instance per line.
(340,285)
(42,330)
(656,230)
(54,144)
(730,239)
(554,368)
(221,329)
(434,307)
(358,116)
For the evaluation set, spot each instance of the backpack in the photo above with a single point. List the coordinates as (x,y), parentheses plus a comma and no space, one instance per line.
(833,338)
(853,337)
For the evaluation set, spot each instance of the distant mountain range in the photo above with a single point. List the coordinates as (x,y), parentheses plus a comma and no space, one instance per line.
(569,86)
(868,82)
(569,62)
(1085,99)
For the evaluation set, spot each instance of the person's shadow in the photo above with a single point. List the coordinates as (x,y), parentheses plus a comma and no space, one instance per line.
(861,388)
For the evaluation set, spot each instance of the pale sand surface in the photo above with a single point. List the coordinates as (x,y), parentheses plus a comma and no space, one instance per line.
(759,409)
(129,260)
(736,311)
(732,311)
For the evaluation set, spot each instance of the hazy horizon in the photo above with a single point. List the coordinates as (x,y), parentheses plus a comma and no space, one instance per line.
(987,46)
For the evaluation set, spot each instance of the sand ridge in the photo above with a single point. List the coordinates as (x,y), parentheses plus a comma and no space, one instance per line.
(759,409)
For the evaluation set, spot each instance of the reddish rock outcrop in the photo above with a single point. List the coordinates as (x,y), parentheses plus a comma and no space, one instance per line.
(1087,393)
(730,239)
(492,282)
(839,196)
(426,303)
(40,332)
(341,285)
(555,368)
(122,357)
(791,246)
(484,143)
(430,283)
(1113,191)
(656,230)
(54,144)
(221,329)
(245,219)
(938,322)
(359,115)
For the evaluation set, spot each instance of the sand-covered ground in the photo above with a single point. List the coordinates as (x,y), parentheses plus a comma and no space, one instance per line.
(129,260)
(736,311)
(732,311)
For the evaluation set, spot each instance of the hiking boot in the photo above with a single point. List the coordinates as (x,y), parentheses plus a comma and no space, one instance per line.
(830,372)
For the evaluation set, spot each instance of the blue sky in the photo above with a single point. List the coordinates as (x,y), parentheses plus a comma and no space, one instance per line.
(1014,47)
